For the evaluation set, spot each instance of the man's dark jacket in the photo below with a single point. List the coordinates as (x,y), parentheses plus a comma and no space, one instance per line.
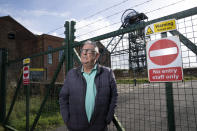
(72,100)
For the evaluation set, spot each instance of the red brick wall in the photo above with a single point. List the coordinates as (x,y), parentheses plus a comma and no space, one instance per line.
(54,42)
(24,44)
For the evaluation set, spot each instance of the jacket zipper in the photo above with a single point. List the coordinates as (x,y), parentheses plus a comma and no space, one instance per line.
(84,95)
(97,87)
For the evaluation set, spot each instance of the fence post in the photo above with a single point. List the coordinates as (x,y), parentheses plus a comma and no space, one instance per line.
(72,38)
(26,85)
(169,100)
(3,60)
(67,30)
(170,106)
(27,106)
(69,33)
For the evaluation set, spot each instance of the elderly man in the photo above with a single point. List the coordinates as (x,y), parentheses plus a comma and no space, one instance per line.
(89,95)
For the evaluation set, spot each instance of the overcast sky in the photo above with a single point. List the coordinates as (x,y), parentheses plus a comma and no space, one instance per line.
(93,17)
(101,16)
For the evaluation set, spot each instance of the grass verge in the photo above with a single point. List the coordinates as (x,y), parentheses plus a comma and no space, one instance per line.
(145,80)
(49,119)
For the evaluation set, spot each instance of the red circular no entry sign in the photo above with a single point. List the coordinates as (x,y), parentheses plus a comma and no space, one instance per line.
(26,71)
(163,52)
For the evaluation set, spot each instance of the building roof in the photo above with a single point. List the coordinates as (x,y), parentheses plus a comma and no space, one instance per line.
(51,37)
(10,19)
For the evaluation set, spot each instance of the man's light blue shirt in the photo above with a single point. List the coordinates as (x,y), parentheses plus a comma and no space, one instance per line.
(90,91)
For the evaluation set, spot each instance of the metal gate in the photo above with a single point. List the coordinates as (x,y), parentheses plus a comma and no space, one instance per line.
(142,106)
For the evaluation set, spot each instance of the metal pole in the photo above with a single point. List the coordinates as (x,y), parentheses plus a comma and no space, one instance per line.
(27,106)
(169,100)
(72,38)
(170,106)
(117,123)
(14,99)
(67,40)
(26,83)
(3,60)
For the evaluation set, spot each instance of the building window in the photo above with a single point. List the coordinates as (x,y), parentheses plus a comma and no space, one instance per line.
(60,54)
(50,56)
(11,35)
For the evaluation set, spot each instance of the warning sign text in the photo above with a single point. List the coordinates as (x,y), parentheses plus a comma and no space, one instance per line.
(165,26)
(165,74)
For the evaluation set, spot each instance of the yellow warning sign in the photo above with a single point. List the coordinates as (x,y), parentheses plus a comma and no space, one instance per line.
(37,69)
(149,31)
(26,61)
(159,27)
(165,26)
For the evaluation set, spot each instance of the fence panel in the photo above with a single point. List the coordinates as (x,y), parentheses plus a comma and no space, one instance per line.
(40,79)
(142,106)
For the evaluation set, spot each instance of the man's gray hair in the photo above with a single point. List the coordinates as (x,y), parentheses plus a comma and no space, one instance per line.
(92,43)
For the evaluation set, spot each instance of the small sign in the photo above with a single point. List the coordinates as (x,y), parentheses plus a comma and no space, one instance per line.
(163,52)
(164,60)
(26,80)
(37,69)
(149,31)
(37,74)
(26,61)
(163,26)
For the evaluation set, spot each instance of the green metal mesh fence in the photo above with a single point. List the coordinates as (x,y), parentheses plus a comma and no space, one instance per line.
(39,84)
(141,105)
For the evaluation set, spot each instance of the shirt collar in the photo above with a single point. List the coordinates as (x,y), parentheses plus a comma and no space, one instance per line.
(94,68)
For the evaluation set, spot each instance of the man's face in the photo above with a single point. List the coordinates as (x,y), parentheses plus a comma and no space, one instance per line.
(88,55)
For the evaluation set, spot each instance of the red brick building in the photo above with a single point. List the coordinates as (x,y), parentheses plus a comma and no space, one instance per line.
(21,43)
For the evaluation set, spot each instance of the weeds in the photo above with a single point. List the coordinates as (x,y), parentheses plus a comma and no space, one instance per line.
(49,119)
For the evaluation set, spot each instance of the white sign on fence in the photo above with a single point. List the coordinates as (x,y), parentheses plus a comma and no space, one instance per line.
(164,60)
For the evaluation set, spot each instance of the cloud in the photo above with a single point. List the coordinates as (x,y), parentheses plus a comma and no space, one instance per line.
(94,27)
(7,10)
(46,13)
(34,20)
(37,32)
(28,24)
(54,34)
(4,11)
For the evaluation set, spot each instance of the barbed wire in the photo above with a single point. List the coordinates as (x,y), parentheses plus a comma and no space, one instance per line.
(164,6)
(113,14)
(55,30)
(145,13)
(99,29)
(119,13)
(103,10)
(61,34)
